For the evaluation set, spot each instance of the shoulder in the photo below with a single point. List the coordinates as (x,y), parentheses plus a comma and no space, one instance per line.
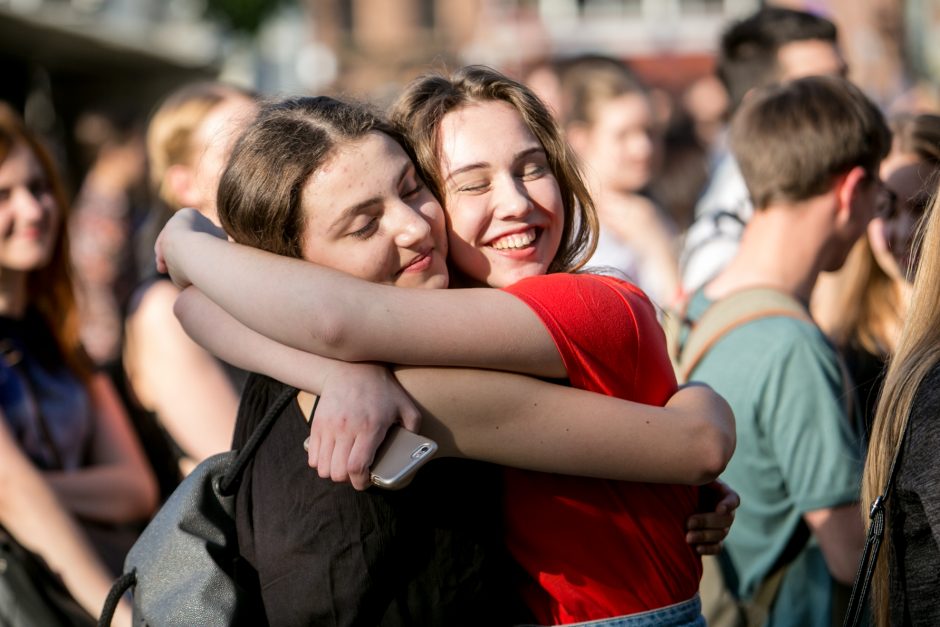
(583,285)
(153,300)
(579,298)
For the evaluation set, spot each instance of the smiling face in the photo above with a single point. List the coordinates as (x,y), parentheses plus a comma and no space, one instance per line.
(29,213)
(369,214)
(504,205)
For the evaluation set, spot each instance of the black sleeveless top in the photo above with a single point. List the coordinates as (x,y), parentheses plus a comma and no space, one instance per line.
(326,554)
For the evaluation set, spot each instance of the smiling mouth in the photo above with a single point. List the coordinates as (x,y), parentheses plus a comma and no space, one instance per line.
(515,241)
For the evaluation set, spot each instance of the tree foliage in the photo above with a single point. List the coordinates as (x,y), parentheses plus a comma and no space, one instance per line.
(243,16)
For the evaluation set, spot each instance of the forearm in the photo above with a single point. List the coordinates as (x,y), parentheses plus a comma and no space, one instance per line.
(329,313)
(528,423)
(288,300)
(226,337)
(107,493)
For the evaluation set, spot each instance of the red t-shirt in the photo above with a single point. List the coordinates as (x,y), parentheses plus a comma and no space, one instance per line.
(598,548)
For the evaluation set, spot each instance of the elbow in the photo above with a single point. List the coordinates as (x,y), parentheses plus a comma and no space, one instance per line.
(716,446)
(183,305)
(333,336)
(141,498)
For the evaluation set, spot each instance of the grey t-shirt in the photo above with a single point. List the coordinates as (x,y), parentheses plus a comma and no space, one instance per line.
(914,513)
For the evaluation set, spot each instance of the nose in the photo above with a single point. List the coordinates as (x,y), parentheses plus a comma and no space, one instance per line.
(411,226)
(28,205)
(510,198)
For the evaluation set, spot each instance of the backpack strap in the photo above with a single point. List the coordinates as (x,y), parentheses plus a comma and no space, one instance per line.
(228,482)
(721,317)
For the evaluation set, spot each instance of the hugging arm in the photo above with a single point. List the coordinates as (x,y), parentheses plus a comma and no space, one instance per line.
(506,418)
(332,314)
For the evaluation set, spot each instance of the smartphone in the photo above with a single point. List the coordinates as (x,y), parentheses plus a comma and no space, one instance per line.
(399,458)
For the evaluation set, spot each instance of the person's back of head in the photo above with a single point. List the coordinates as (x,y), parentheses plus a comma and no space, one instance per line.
(794,139)
(749,55)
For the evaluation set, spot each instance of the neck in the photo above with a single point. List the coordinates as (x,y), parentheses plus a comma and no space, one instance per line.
(12,293)
(781,248)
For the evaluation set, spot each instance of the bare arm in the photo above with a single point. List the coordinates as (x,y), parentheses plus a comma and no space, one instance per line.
(118,485)
(841,537)
(325,312)
(176,378)
(512,419)
(31,512)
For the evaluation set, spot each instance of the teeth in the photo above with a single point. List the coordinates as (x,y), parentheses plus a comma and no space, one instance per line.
(515,241)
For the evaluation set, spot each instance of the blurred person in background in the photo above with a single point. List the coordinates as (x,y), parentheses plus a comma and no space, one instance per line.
(772,45)
(102,227)
(863,306)
(193,395)
(610,123)
(907,574)
(68,454)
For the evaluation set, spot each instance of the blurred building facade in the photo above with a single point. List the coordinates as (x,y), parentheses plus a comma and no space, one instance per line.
(59,57)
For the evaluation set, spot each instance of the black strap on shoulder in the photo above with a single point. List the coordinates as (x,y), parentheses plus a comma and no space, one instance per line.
(876,532)
(230,478)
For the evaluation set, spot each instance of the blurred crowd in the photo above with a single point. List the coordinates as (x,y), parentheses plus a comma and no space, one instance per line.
(106,403)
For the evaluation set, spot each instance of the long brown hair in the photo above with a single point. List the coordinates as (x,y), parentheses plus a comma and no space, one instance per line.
(422,106)
(917,353)
(49,289)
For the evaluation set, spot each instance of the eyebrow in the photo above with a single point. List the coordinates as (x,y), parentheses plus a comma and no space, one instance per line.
(482,164)
(358,208)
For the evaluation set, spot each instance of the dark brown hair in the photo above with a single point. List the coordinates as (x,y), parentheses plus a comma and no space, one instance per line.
(49,289)
(747,57)
(259,200)
(426,100)
(791,140)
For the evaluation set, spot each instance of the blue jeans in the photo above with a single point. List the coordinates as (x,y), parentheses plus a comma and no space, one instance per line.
(684,614)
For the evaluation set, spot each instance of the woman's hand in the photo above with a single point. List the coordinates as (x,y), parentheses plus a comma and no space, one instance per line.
(168,248)
(708,529)
(358,405)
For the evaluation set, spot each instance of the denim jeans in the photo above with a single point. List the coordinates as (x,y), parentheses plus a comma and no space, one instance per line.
(684,614)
